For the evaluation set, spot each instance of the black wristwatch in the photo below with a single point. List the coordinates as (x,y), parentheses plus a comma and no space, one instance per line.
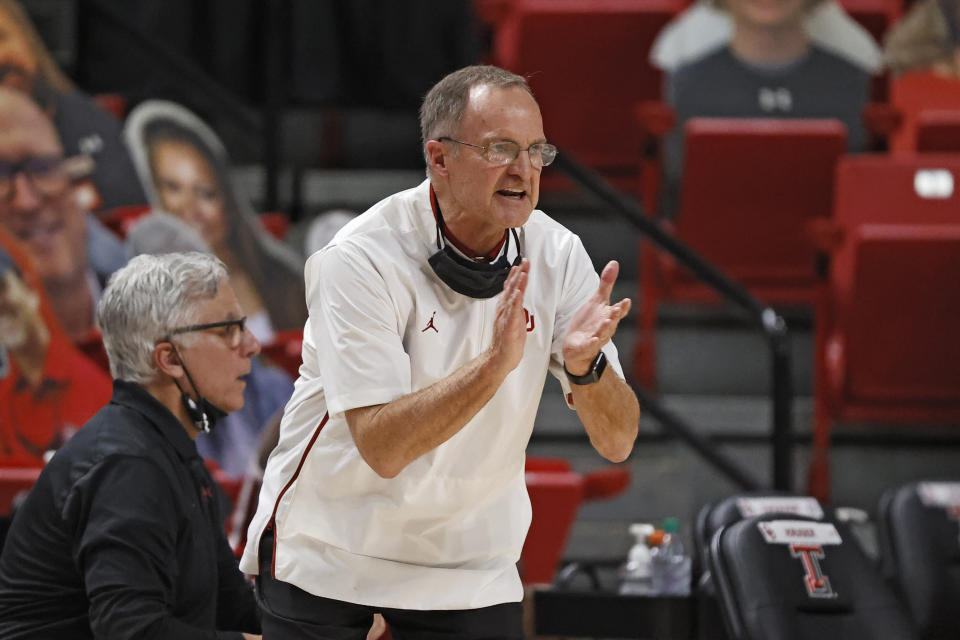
(593,375)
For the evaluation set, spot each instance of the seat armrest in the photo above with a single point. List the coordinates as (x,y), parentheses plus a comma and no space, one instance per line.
(656,119)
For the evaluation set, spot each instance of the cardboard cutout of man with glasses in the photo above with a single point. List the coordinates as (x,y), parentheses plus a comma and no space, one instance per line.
(398,485)
(41,206)
(122,537)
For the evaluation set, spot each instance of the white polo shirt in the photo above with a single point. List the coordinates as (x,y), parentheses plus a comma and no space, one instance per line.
(447,531)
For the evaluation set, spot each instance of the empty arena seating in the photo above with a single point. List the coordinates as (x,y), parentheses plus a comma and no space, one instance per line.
(913,93)
(897,189)
(586,61)
(556,493)
(893,349)
(886,343)
(783,576)
(919,526)
(750,192)
(938,130)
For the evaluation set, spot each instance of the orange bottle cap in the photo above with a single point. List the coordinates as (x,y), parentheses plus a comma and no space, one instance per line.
(655,539)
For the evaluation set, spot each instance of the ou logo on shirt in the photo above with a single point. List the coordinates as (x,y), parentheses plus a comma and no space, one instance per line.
(528,318)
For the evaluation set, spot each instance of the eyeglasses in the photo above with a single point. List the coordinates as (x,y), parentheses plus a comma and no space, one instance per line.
(500,154)
(48,175)
(233,330)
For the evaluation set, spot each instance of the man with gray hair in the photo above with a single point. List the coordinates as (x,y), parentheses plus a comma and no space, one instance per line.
(397,485)
(121,535)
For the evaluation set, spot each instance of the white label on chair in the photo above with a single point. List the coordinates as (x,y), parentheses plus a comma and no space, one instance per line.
(939,494)
(799,532)
(933,183)
(797,505)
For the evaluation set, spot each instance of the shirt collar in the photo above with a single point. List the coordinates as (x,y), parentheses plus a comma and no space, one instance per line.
(457,244)
(135,397)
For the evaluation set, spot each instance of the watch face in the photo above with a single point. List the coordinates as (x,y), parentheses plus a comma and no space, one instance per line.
(600,364)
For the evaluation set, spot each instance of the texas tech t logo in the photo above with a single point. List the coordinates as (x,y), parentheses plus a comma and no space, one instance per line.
(817,584)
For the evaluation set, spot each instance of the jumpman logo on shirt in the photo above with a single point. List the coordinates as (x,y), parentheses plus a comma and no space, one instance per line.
(430,324)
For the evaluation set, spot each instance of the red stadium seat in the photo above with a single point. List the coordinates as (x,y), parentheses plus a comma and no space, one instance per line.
(938,130)
(598,485)
(586,61)
(277,223)
(876,16)
(914,93)
(538,464)
(886,344)
(882,189)
(752,190)
(656,120)
(555,497)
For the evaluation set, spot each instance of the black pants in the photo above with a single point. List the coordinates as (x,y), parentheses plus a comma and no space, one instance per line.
(290,613)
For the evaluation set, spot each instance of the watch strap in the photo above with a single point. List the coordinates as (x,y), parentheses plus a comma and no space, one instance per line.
(593,374)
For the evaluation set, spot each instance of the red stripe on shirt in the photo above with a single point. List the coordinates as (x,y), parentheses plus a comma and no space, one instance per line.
(273,516)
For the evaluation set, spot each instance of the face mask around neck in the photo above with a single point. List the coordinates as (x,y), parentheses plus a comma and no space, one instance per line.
(474,279)
(465,276)
(202,412)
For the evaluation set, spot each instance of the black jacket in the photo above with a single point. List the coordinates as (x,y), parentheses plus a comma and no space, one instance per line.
(121,538)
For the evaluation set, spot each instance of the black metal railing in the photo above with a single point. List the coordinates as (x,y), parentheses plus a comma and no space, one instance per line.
(766,318)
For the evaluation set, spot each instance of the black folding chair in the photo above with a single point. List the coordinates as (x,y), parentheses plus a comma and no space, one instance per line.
(788,577)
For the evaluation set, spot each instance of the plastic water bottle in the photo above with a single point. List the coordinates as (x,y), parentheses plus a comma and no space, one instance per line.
(637,574)
(670,564)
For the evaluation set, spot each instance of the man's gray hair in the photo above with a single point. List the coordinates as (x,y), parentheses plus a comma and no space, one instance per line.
(148,298)
(443,107)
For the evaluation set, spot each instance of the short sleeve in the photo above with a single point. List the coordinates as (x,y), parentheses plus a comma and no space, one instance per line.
(355,329)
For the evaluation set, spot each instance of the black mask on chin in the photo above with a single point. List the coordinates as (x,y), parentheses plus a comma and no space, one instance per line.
(202,412)
(465,276)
